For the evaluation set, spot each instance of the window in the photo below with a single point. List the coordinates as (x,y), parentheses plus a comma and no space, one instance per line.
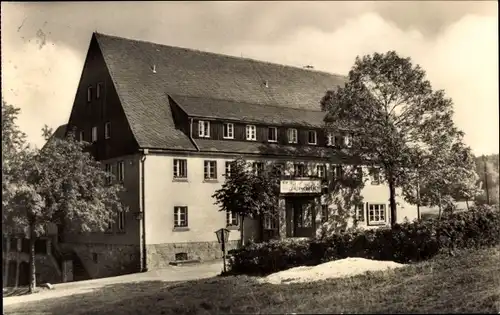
(82,135)
(348,141)
(376,214)
(121,171)
(204,129)
(108,170)
(375,176)
(321,170)
(107,134)
(360,213)
(210,170)
(304,218)
(299,170)
(89,94)
(94,134)
(324,213)
(110,226)
(95,258)
(228,131)
(98,90)
(359,173)
(251,132)
(280,168)
(311,137)
(258,168)
(338,172)
(231,219)
(228,168)
(180,216)
(292,135)
(270,222)
(121,221)
(330,139)
(180,168)
(272,134)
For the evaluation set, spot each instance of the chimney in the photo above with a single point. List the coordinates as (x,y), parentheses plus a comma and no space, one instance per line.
(309,67)
(154,68)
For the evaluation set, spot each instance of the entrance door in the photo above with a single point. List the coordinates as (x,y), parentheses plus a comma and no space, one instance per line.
(303,218)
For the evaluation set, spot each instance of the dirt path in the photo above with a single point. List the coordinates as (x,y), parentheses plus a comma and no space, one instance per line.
(171,274)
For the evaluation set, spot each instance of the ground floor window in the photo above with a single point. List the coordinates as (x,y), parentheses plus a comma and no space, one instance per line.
(180,216)
(231,219)
(377,214)
(270,222)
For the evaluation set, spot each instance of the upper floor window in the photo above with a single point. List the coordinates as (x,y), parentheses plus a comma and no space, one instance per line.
(272,134)
(299,170)
(94,134)
(210,170)
(375,175)
(292,135)
(108,173)
(360,213)
(228,131)
(348,141)
(338,172)
(251,132)
(89,94)
(321,171)
(312,137)
(330,139)
(376,214)
(107,130)
(121,171)
(82,135)
(121,221)
(204,129)
(98,92)
(258,168)
(180,216)
(180,168)
(231,218)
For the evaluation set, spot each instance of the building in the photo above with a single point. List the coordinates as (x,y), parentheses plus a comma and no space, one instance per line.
(168,121)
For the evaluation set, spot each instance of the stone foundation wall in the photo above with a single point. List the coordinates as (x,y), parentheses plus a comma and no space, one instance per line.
(106,260)
(160,255)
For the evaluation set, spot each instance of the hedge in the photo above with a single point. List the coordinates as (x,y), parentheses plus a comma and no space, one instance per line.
(405,243)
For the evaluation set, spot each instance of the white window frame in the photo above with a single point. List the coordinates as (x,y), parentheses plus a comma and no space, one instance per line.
(121,221)
(375,212)
(94,134)
(204,129)
(180,167)
(270,222)
(360,213)
(232,219)
(179,211)
(292,135)
(107,129)
(210,170)
(251,132)
(275,133)
(228,168)
(89,93)
(321,174)
(120,170)
(315,137)
(228,131)
(82,135)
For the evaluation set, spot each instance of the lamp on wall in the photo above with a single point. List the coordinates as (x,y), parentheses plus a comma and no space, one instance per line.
(139,215)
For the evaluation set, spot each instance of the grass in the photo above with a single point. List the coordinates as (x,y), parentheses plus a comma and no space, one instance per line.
(467,282)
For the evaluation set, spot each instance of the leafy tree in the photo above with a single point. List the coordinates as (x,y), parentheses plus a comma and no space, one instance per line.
(248,193)
(390,109)
(62,184)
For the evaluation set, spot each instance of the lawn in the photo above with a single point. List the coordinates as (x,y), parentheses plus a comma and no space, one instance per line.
(467,282)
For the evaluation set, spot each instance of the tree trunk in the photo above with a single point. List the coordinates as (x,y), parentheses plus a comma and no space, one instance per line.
(467,204)
(32,260)
(242,241)
(392,200)
(440,209)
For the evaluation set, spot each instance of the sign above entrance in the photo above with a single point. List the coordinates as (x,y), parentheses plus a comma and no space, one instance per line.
(300,186)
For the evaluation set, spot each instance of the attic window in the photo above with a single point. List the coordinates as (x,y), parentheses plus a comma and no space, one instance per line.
(204,129)
(98,90)
(89,94)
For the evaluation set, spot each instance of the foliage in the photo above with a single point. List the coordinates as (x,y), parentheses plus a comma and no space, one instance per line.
(407,242)
(487,168)
(393,113)
(248,193)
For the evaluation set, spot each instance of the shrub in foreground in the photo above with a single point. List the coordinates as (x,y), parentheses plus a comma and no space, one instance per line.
(405,243)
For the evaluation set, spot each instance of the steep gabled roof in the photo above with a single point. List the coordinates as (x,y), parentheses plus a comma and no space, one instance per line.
(196,74)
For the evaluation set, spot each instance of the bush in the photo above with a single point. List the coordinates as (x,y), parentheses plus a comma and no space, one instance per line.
(405,243)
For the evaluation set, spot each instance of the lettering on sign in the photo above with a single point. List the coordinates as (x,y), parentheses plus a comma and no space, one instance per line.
(300,186)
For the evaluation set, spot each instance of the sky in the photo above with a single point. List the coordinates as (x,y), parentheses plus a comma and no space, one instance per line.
(44,45)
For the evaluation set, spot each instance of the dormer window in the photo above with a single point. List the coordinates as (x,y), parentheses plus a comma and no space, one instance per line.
(89,94)
(204,129)
(272,134)
(251,132)
(228,132)
(312,137)
(292,135)
(334,140)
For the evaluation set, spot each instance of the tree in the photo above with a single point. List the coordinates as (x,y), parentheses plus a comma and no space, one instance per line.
(248,193)
(392,113)
(62,184)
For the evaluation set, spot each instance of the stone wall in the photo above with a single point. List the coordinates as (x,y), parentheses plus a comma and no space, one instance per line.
(106,260)
(160,255)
